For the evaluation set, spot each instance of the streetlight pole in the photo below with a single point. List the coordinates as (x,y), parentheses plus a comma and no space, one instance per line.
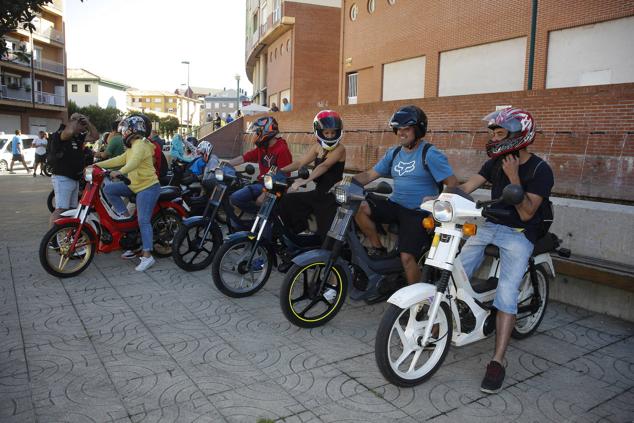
(237,76)
(186,62)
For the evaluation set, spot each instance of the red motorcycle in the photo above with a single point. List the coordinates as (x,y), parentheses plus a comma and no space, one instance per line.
(69,246)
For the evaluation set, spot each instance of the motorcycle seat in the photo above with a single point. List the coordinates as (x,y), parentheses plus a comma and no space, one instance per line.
(169,193)
(546,244)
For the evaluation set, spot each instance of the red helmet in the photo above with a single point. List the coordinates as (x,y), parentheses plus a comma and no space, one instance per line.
(328,119)
(265,128)
(520,125)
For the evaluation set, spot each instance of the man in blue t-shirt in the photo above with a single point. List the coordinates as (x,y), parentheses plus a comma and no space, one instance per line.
(16,151)
(413,181)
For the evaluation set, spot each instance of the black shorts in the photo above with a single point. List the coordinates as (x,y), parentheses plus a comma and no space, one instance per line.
(18,157)
(412,237)
(40,158)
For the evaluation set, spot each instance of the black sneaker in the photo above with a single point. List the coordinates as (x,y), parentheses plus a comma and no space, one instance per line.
(493,379)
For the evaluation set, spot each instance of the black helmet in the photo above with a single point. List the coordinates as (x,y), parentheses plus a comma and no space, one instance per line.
(410,116)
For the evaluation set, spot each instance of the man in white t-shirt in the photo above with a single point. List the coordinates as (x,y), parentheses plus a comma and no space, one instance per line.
(40,152)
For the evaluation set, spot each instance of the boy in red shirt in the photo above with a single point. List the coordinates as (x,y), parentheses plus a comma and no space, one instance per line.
(271,150)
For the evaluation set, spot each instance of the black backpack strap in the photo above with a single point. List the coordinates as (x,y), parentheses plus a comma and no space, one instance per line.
(426,148)
(394,153)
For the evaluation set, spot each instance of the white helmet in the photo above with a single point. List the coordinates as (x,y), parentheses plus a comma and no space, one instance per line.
(204,148)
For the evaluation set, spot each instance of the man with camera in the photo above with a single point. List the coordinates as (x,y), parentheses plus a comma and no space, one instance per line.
(66,154)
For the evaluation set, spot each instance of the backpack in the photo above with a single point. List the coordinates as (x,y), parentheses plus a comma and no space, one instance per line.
(545,210)
(160,161)
(426,147)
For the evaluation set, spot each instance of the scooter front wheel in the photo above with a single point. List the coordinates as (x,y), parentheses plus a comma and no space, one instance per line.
(399,355)
(300,300)
(190,251)
(232,272)
(57,255)
(164,228)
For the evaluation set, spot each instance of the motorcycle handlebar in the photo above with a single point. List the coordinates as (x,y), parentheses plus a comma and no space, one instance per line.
(496,213)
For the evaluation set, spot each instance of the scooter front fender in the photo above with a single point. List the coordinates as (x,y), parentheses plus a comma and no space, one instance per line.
(246,235)
(545,259)
(412,294)
(193,220)
(88,226)
(321,255)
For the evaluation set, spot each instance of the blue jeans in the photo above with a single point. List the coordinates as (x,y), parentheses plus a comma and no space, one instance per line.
(515,250)
(244,198)
(66,192)
(145,202)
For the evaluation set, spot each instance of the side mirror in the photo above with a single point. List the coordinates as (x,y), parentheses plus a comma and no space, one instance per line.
(249,169)
(383,188)
(303,172)
(513,194)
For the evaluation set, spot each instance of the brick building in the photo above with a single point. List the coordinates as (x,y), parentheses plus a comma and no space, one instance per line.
(292,51)
(33,74)
(399,49)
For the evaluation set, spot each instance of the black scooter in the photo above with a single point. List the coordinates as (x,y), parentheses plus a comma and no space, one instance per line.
(199,237)
(315,288)
(243,264)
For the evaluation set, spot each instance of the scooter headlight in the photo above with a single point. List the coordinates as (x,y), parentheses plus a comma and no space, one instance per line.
(341,195)
(443,211)
(220,175)
(88,174)
(268,182)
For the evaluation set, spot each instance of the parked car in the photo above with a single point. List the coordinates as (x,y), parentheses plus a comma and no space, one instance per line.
(28,151)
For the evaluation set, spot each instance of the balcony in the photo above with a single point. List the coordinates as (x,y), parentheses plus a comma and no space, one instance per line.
(50,99)
(48,32)
(270,29)
(49,65)
(55,6)
(19,94)
(17,58)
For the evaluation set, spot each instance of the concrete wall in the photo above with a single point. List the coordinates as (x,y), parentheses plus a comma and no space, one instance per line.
(404,79)
(487,68)
(601,53)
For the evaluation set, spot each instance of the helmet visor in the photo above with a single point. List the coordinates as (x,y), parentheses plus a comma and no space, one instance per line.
(403,119)
(498,119)
(123,126)
(257,126)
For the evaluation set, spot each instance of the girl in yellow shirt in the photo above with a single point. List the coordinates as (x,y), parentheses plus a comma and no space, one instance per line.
(138,166)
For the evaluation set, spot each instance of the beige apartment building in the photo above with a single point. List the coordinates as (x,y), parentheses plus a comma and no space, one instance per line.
(164,103)
(33,75)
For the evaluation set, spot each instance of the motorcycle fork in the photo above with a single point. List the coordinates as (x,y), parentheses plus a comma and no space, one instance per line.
(261,220)
(441,287)
(214,201)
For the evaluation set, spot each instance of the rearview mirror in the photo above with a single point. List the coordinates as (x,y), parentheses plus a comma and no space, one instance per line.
(303,172)
(249,169)
(513,194)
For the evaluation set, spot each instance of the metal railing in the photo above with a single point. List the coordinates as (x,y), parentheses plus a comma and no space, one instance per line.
(11,57)
(49,32)
(49,65)
(7,93)
(49,98)
(277,14)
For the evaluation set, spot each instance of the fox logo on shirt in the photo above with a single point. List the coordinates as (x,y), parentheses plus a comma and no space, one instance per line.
(405,167)
(268,160)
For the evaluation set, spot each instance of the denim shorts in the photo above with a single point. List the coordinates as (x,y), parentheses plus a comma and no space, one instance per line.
(515,250)
(66,192)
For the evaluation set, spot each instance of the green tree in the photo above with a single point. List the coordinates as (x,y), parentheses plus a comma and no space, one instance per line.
(169,125)
(100,117)
(17,14)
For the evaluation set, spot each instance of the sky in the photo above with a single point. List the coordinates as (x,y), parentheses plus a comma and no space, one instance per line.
(142,43)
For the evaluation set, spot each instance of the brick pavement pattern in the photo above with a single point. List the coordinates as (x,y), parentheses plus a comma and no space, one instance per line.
(114,345)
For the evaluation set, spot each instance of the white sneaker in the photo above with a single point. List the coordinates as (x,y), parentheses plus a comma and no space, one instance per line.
(146,263)
(129,254)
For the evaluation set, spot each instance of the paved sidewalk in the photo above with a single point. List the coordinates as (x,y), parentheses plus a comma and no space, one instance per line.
(115,345)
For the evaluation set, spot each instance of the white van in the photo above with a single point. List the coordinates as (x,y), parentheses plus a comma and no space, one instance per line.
(28,151)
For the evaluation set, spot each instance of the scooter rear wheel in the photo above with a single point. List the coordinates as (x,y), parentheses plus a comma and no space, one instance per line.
(55,255)
(164,228)
(399,356)
(527,323)
(308,309)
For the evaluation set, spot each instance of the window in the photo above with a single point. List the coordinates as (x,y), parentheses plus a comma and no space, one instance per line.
(371,6)
(170,110)
(86,88)
(404,79)
(157,100)
(352,88)
(147,100)
(231,105)
(216,105)
(354,12)
(224,105)
(157,109)
(73,88)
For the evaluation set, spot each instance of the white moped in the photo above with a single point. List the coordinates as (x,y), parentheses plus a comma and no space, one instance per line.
(423,319)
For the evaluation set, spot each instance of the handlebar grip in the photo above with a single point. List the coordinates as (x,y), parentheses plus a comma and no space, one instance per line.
(125,179)
(493,213)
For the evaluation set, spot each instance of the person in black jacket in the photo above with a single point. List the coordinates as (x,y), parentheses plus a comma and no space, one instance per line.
(66,154)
